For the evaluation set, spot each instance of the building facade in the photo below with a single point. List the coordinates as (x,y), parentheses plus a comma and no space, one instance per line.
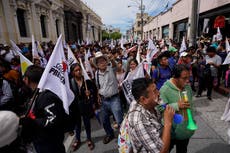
(137,25)
(175,22)
(46,20)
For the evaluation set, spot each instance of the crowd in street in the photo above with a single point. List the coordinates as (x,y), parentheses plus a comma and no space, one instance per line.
(167,77)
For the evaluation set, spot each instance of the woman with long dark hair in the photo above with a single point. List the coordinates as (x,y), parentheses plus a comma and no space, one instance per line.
(84,95)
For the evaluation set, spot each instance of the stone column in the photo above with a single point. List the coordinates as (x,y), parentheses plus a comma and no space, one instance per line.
(10,32)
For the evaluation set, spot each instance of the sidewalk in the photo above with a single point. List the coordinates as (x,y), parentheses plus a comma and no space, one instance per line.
(211,136)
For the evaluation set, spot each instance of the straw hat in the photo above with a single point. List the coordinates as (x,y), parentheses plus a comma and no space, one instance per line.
(99,55)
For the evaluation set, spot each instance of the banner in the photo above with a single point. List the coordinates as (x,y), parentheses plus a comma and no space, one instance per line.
(127,83)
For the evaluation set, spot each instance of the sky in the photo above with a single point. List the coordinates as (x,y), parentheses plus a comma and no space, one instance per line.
(116,13)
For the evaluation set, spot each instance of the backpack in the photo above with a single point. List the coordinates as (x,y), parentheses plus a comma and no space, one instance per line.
(159,75)
(124,141)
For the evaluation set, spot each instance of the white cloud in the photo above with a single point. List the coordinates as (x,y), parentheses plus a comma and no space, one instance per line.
(117,13)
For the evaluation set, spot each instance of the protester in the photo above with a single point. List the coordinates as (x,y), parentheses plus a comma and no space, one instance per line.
(6,95)
(44,125)
(84,92)
(213,61)
(163,72)
(146,131)
(108,92)
(172,93)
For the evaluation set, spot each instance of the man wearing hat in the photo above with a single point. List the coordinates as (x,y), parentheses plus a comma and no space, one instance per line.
(108,92)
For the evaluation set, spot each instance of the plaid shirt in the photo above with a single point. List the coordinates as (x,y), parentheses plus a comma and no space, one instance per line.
(145,129)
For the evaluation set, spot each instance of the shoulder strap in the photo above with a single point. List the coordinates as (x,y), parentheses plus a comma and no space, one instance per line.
(158,74)
(97,79)
(73,84)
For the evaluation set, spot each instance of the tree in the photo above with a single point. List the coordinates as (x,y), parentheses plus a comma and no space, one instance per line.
(105,35)
(116,35)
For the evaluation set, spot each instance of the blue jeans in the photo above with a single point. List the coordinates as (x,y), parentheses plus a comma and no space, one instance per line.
(111,105)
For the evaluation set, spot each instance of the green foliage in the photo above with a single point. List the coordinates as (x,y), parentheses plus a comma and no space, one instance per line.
(114,35)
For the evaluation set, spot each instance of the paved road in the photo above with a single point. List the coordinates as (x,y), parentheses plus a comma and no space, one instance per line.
(211,137)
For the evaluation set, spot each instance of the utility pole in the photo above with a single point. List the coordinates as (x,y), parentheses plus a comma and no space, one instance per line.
(193,23)
(142,22)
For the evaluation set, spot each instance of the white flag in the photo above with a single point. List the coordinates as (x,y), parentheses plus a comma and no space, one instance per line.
(205,26)
(85,74)
(71,58)
(227,59)
(15,48)
(227,46)
(42,55)
(122,43)
(24,62)
(55,77)
(218,35)
(127,83)
(138,57)
(183,46)
(88,67)
(34,49)
(152,50)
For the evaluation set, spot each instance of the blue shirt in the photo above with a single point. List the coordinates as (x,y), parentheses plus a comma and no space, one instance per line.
(172,62)
(161,75)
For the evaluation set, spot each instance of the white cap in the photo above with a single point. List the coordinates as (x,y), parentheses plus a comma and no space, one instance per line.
(9,122)
(183,54)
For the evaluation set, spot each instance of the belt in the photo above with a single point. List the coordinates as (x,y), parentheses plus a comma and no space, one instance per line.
(110,97)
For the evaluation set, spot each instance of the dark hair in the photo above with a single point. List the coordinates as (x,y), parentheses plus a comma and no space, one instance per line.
(178,69)
(34,73)
(139,87)
(72,67)
(133,60)
(211,49)
(162,55)
(5,64)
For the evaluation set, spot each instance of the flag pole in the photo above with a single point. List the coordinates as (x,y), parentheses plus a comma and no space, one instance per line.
(86,87)
(32,102)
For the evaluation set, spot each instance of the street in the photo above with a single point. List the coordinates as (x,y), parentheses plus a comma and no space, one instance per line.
(211,136)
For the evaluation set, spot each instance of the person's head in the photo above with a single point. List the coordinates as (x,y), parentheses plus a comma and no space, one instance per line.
(4,66)
(145,92)
(15,61)
(119,64)
(211,51)
(76,70)
(163,59)
(181,75)
(221,47)
(133,64)
(186,58)
(32,76)
(101,61)
(37,62)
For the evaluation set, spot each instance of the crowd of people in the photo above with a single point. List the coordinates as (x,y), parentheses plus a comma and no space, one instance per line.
(170,73)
